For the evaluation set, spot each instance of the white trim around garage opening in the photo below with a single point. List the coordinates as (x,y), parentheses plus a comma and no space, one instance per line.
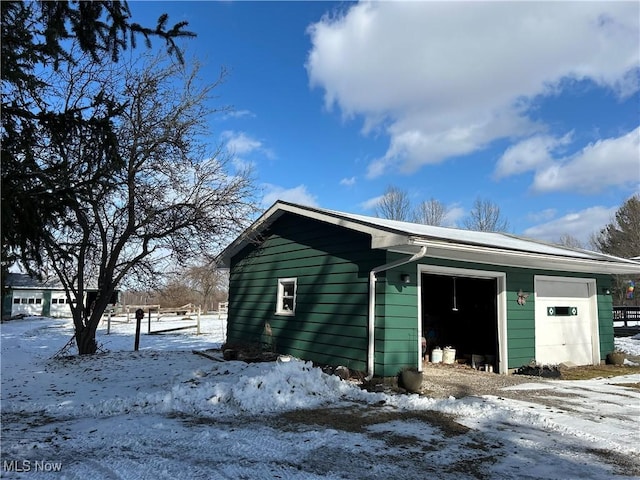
(501,303)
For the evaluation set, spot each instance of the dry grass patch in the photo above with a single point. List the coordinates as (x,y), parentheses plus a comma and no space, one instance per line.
(597,371)
(357,419)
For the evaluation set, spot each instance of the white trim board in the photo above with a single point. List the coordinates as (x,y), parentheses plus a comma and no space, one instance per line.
(501,303)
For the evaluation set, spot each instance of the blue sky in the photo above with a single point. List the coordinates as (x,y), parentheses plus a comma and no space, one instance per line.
(534,106)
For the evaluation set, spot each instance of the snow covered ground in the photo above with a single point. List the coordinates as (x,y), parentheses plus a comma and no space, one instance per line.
(165,413)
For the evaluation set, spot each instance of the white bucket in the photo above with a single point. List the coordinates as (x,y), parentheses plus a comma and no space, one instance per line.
(436,355)
(449,355)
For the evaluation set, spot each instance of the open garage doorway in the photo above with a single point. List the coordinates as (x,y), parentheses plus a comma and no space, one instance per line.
(462,309)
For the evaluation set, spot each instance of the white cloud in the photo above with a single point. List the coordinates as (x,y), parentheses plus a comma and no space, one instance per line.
(240,114)
(543,215)
(348,182)
(297,194)
(239,143)
(243,165)
(606,163)
(579,225)
(447,78)
(455,213)
(372,203)
(530,154)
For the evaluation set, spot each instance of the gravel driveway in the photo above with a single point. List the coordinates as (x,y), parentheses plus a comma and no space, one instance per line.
(442,381)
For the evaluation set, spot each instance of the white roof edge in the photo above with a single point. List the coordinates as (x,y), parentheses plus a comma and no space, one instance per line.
(397,236)
(495,256)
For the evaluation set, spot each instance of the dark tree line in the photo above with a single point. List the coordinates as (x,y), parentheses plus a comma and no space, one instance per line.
(621,238)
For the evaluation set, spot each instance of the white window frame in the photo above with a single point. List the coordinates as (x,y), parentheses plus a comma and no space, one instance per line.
(280,310)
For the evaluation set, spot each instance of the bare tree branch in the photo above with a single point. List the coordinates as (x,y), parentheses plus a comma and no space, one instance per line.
(394,205)
(485,216)
(430,212)
(172,199)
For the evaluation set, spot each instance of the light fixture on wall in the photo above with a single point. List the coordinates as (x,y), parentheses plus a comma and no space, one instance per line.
(606,291)
(455,296)
(405,277)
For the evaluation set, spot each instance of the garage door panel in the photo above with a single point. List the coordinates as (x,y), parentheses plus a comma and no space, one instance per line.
(564,324)
(565,331)
(580,354)
(562,289)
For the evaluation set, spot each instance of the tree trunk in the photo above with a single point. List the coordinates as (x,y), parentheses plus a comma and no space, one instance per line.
(86,341)
(86,332)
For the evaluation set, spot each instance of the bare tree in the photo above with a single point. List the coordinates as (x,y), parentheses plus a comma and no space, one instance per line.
(175,294)
(209,283)
(430,212)
(570,241)
(170,199)
(485,216)
(394,205)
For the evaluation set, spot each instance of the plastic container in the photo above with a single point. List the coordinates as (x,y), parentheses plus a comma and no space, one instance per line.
(448,355)
(436,355)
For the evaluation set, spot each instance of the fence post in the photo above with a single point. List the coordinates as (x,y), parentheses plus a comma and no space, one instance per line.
(139,317)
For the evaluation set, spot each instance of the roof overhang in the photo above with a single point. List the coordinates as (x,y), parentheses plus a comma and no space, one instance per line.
(510,258)
(400,242)
(379,239)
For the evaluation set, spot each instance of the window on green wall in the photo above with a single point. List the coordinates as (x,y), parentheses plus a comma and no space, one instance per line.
(286,302)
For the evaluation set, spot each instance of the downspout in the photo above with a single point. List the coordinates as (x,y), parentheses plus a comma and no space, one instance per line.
(372,304)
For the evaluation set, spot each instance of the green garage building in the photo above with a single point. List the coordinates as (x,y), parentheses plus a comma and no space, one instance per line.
(368,293)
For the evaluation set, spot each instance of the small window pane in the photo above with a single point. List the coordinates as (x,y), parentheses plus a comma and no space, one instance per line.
(38,301)
(286,301)
(32,301)
(16,300)
(23,301)
(288,289)
(54,301)
(287,304)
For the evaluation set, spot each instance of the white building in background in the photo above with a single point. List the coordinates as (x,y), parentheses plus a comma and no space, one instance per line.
(24,295)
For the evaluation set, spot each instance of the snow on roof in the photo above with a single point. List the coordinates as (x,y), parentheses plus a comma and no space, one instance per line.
(24,280)
(445,242)
(470,237)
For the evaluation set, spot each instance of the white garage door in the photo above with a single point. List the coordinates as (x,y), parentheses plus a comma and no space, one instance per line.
(566,321)
(59,305)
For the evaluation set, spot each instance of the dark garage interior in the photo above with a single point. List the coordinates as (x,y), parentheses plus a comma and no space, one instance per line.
(461,312)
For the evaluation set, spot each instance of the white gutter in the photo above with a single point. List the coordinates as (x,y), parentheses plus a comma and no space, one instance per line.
(372,304)
(519,259)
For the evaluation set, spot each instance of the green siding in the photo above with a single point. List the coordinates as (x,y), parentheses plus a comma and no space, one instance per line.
(397,313)
(330,326)
(7,303)
(46,303)
(331,265)
(605,316)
